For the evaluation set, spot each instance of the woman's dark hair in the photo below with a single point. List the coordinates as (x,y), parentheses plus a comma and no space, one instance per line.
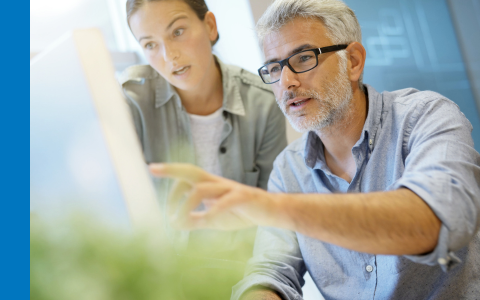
(198,6)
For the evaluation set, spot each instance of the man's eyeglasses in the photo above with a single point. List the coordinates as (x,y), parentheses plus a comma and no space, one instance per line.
(300,62)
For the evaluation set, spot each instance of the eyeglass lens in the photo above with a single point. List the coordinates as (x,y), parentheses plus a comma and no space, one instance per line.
(300,62)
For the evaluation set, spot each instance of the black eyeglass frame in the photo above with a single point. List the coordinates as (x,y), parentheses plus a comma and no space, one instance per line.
(317,51)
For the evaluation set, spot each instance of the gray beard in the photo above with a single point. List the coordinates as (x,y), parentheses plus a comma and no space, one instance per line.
(333,105)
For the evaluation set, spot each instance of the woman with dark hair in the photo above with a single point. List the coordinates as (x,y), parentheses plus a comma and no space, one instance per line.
(190,107)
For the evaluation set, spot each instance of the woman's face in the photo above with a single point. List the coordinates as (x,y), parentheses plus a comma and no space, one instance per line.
(176,43)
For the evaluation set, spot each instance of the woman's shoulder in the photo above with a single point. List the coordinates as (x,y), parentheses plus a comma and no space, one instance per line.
(142,83)
(253,91)
(248,79)
(256,97)
(137,73)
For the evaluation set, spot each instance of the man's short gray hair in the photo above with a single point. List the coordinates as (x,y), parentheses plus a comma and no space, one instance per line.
(340,21)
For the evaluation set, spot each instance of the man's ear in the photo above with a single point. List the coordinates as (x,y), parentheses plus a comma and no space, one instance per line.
(357,56)
(211,24)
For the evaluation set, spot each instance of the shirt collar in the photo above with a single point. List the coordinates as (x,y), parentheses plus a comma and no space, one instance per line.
(313,152)
(164,91)
(232,100)
(375,109)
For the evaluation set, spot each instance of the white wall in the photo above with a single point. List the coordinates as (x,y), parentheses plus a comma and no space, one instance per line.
(238,43)
(51,19)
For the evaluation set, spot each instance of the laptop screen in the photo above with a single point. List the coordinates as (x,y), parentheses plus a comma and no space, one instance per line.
(84,152)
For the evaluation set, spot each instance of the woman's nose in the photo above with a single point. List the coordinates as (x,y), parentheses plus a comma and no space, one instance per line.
(171,53)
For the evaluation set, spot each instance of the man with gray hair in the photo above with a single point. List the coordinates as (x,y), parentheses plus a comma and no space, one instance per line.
(379,199)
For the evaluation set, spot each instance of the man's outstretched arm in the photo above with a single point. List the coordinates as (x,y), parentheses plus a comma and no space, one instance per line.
(395,222)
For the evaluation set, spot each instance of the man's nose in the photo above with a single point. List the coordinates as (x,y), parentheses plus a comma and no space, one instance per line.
(288,79)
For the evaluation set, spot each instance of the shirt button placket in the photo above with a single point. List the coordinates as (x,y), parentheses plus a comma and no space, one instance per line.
(442,261)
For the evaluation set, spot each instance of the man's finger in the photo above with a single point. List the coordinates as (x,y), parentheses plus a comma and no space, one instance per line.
(223,205)
(195,220)
(185,172)
(201,191)
(178,193)
(229,204)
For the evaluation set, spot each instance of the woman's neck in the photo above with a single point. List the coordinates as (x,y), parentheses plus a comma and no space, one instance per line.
(208,96)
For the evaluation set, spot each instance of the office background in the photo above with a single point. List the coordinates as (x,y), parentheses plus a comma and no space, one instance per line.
(425,44)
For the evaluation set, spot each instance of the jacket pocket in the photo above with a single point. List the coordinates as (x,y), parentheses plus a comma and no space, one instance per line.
(251,178)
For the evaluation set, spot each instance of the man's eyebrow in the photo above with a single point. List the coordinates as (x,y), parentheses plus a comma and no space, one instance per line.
(292,52)
(168,27)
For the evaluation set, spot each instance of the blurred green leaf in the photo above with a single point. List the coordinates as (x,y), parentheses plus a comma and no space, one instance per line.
(77,259)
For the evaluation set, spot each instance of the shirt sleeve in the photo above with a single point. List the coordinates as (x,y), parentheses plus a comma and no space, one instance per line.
(442,168)
(277,262)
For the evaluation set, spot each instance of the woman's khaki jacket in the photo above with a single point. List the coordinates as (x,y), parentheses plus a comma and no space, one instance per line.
(253,130)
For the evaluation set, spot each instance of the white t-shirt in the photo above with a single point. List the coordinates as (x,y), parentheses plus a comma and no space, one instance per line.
(206,134)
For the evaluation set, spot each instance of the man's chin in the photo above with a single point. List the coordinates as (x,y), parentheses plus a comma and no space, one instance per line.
(303,124)
(299,124)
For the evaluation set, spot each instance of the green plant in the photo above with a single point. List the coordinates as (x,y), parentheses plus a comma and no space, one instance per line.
(77,259)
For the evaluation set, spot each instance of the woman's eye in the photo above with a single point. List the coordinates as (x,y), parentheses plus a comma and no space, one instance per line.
(149,45)
(178,32)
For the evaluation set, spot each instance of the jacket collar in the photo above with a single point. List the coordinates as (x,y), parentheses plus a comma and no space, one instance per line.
(232,100)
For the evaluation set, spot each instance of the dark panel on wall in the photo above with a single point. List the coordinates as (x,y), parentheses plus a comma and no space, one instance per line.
(412,43)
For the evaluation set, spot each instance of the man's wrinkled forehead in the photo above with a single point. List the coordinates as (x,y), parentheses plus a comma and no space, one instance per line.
(293,35)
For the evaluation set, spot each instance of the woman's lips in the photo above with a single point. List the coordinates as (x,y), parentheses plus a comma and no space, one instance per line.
(181,70)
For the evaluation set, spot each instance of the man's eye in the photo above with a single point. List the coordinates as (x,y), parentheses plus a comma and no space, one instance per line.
(274,69)
(305,58)
(178,32)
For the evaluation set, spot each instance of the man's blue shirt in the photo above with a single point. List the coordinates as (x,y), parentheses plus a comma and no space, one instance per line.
(412,139)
